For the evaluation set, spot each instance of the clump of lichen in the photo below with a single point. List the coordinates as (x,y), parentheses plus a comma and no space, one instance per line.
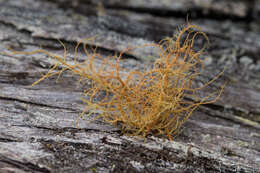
(142,102)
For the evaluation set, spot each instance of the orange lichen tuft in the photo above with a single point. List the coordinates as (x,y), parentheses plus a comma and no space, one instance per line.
(143,102)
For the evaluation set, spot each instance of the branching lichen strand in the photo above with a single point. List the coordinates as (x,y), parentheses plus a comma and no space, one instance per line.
(146,101)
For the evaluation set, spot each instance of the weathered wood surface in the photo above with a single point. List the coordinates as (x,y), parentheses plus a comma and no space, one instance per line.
(37,124)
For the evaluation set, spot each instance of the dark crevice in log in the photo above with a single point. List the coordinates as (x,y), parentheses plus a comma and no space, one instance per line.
(192,12)
(12,25)
(63,130)
(55,45)
(6,139)
(232,114)
(25,166)
(16,75)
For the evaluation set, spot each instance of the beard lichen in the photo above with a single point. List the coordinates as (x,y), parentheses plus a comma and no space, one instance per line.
(141,102)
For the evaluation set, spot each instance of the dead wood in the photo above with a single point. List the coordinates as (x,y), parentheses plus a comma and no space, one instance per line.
(37,124)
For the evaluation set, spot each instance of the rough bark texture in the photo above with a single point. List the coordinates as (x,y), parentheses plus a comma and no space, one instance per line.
(37,124)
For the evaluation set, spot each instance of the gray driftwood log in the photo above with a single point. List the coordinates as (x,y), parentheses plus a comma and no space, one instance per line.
(37,124)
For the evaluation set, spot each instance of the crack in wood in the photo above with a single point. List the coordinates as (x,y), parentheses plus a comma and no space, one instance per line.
(26,166)
(37,104)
